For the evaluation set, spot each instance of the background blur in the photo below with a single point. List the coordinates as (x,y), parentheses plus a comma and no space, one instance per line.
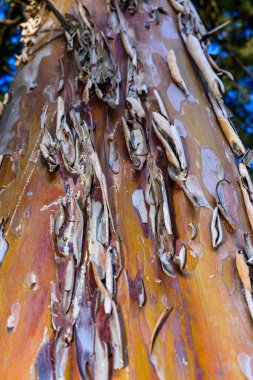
(232,48)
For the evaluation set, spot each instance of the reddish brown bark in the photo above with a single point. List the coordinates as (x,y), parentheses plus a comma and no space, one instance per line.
(209,329)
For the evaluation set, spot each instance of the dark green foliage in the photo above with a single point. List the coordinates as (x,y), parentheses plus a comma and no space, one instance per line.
(233,49)
(11,14)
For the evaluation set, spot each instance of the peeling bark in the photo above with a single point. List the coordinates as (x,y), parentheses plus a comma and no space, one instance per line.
(110,217)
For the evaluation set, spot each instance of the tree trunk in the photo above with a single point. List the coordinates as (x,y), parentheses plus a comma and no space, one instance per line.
(95,282)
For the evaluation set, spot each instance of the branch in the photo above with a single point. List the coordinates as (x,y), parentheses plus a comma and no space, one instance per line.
(219,27)
(62,20)
(241,64)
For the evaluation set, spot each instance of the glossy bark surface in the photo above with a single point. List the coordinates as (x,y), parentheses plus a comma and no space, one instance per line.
(209,330)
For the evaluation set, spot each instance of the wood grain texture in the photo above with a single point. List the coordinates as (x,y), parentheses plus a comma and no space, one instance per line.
(210,325)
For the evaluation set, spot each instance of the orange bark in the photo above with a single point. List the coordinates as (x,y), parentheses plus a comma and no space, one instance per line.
(209,327)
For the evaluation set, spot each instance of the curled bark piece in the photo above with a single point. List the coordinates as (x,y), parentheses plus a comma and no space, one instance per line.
(63,317)
(29,28)
(243,270)
(48,150)
(99,224)
(231,135)
(102,181)
(181,183)
(101,368)
(161,105)
(247,159)
(127,44)
(43,117)
(84,17)
(161,221)
(156,194)
(98,172)
(69,276)
(114,161)
(3,242)
(248,296)
(61,81)
(78,230)
(136,107)
(247,202)
(84,337)
(95,62)
(65,138)
(79,290)
(222,205)
(70,235)
(139,205)
(166,262)
(192,185)
(191,188)
(116,339)
(109,280)
(171,157)
(61,352)
(213,81)
(136,144)
(135,84)
(246,180)
(82,166)
(30,281)
(13,319)
(165,206)
(68,281)
(136,288)
(59,221)
(60,113)
(217,68)
(148,190)
(174,71)
(189,22)
(226,126)
(161,320)
(170,132)
(178,5)
(134,131)
(99,283)
(141,292)
(216,229)
(152,217)
(193,230)
(181,257)
(248,248)
(123,33)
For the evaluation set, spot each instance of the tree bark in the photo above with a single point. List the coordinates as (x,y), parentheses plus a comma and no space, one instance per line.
(207,330)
